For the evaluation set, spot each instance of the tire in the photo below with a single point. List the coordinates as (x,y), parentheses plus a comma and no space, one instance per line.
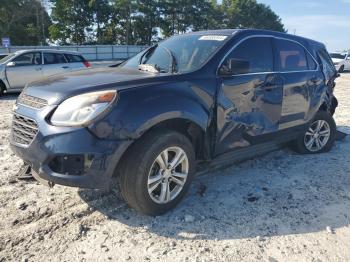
(2,89)
(341,69)
(144,164)
(323,139)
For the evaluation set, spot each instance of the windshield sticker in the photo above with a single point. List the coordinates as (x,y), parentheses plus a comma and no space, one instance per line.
(213,38)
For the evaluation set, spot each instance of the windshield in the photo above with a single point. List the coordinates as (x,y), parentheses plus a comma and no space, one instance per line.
(337,56)
(187,52)
(6,58)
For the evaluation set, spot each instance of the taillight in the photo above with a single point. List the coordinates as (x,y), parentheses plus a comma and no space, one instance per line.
(87,64)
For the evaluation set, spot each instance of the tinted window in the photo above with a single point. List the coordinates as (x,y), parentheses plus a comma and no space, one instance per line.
(28,59)
(54,58)
(74,58)
(251,56)
(290,56)
(311,62)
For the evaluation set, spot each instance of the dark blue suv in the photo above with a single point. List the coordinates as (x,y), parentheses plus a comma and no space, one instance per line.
(200,99)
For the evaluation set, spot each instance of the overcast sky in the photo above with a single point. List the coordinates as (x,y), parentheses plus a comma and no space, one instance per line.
(327,21)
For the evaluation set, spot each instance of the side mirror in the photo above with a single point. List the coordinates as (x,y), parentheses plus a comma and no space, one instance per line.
(11,64)
(235,67)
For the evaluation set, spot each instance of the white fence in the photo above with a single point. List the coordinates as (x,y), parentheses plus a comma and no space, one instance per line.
(90,52)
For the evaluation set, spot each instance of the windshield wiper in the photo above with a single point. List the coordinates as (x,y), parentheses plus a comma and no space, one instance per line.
(173,60)
(149,68)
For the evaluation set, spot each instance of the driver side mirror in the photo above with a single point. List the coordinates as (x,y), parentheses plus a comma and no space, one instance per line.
(11,64)
(235,67)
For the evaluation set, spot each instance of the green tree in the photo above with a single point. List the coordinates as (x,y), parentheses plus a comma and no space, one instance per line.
(26,22)
(250,14)
(72,21)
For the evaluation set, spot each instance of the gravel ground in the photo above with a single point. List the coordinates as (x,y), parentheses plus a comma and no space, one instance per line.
(281,207)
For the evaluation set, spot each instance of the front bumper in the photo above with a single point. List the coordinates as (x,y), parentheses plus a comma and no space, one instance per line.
(99,157)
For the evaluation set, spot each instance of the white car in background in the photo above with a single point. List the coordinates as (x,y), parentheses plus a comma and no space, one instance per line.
(26,66)
(341,61)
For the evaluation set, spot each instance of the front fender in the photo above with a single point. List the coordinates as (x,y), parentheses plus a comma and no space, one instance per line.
(139,109)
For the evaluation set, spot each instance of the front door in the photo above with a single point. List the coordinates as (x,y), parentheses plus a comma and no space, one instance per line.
(250,96)
(25,68)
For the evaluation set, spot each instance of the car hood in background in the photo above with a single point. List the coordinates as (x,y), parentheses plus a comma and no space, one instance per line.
(57,88)
(337,60)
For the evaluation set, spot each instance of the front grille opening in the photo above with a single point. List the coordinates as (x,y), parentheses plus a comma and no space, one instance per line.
(24,129)
(72,165)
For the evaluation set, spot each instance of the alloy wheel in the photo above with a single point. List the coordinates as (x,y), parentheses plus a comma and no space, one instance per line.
(168,175)
(317,136)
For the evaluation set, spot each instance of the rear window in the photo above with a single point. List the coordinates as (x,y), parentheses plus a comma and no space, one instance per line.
(290,56)
(54,58)
(74,58)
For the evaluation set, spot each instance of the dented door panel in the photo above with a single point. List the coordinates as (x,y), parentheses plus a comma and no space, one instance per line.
(248,106)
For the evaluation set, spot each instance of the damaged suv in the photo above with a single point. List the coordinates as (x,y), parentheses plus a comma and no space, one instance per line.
(201,99)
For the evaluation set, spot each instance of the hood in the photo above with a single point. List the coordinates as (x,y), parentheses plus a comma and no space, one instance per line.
(57,88)
(337,60)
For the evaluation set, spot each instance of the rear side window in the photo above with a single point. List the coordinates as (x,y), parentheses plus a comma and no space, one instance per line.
(327,64)
(251,56)
(74,58)
(289,56)
(311,62)
(54,58)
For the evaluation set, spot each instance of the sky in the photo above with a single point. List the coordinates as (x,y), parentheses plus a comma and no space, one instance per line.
(327,21)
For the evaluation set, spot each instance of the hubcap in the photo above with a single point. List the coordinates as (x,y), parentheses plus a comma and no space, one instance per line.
(168,175)
(317,136)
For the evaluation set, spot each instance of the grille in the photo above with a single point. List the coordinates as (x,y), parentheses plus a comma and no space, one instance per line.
(23,129)
(31,101)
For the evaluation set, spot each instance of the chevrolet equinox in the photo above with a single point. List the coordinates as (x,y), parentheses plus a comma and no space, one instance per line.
(204,98)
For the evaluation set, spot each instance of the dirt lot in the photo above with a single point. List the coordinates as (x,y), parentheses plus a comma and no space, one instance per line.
(282,207)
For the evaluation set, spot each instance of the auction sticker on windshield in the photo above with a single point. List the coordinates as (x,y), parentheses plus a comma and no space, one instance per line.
(213,38)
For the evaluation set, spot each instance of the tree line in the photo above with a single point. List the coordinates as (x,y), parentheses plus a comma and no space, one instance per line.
(139,22)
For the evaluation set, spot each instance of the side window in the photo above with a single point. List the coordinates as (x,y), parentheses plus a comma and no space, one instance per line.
(54,58)
(74,58)
(289,56)
(28,59)
(311,62)
(253,55)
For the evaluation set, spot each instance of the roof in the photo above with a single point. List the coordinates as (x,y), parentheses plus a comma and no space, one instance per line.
(46,50)
(255,32)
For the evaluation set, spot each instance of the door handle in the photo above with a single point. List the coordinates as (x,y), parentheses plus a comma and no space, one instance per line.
(65,67)
(38,68)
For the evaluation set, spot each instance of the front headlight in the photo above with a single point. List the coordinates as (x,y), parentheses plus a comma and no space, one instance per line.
(82,109)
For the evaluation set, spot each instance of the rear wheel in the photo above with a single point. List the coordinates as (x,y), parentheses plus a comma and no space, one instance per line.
(158,172)
(2,88)
(319,137)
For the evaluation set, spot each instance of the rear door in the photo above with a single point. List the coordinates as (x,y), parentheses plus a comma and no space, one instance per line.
(301,78)
(26,68)
(55,63)
(250,96)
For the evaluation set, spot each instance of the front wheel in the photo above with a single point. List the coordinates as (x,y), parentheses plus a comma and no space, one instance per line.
(319,137)
(158,172)
(341,69)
